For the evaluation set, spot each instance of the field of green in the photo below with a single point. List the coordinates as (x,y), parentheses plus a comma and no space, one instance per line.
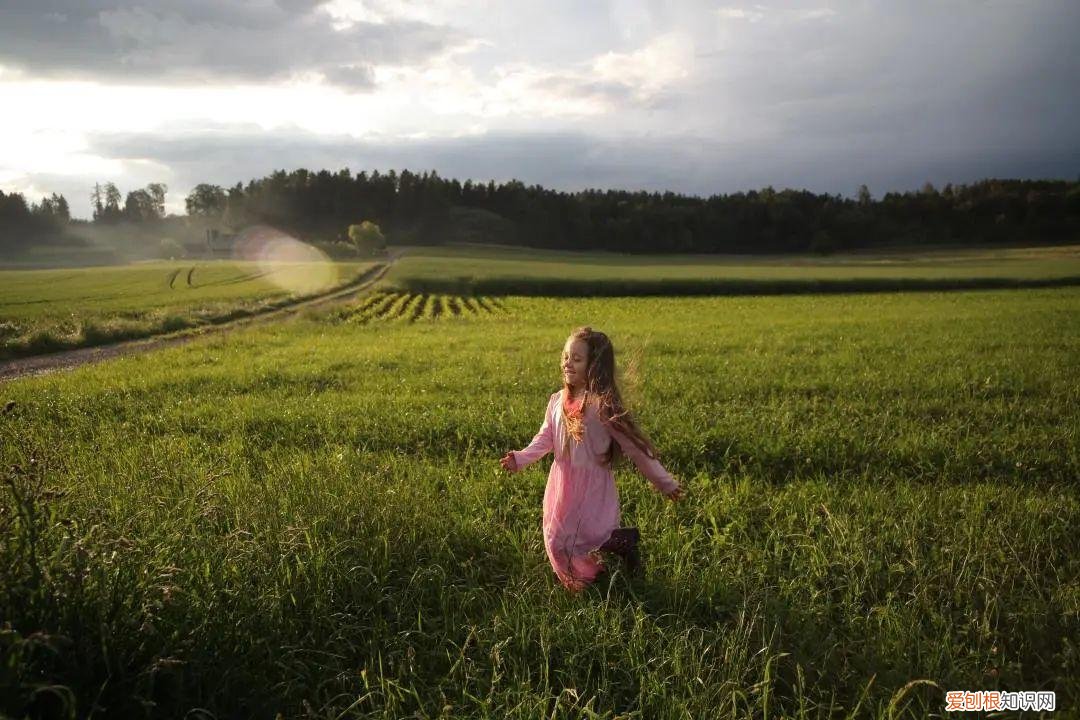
(510,271)
(46,310)
(309,517)
(54,309)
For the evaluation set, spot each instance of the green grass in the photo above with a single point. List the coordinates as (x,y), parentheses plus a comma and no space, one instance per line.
(46,310)
(59,256)
(308,518)
(383,306)
(507,271)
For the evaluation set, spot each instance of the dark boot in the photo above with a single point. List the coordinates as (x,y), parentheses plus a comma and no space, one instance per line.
(624,543)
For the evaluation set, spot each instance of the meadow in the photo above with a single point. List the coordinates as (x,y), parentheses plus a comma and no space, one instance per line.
(308,518)
(56,309)
(519,271)
(46,310)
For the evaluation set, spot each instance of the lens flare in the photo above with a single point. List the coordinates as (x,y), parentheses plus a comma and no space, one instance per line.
(289,263)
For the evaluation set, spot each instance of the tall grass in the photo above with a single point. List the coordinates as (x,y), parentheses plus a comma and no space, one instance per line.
(309,519)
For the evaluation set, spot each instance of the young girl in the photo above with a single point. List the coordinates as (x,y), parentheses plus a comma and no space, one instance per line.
(581,502)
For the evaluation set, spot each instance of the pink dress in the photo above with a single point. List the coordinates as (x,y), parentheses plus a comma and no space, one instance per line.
(581,502)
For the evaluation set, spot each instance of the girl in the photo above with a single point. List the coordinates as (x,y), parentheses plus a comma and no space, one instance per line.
(581,503)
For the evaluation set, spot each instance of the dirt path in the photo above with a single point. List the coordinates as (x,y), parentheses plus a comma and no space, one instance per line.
(67,359)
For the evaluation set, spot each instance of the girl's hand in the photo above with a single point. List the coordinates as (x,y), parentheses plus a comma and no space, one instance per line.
(675,495)
(508,462)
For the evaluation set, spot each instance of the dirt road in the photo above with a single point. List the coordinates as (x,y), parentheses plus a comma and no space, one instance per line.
(67,359)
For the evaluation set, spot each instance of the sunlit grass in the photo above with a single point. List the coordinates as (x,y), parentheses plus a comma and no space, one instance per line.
(309,518)
(46,310)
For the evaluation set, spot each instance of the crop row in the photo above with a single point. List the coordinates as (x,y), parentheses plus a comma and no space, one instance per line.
(410,307)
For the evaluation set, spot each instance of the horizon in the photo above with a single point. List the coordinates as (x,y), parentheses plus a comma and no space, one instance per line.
(758,190)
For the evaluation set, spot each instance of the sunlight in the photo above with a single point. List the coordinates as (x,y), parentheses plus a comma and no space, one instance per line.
(289,263)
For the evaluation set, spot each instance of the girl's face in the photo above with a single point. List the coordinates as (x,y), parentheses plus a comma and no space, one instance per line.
(575,358)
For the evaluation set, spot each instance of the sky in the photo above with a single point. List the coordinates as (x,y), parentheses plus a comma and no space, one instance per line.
(694,97)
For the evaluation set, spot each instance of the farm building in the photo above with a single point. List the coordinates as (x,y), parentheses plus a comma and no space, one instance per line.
(219,243)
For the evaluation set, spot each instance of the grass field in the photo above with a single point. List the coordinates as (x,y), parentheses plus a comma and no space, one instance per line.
(309,518)
(508,271)
(45,310)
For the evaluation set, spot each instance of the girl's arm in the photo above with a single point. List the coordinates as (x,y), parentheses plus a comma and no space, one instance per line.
(542,443)
(648,466)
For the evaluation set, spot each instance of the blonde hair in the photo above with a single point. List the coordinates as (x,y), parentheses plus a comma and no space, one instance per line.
(602,391)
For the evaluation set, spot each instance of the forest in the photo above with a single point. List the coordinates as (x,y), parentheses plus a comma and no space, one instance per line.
(426,209)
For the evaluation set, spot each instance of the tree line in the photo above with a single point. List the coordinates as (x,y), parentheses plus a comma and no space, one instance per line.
(427,209)
(48,221)
(140,206)
(23,223)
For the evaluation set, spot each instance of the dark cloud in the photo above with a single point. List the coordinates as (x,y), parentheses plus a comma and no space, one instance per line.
(891,95)
(574,161)
(361,77)
(174,41)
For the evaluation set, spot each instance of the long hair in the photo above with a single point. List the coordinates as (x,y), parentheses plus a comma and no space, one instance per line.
(602,393)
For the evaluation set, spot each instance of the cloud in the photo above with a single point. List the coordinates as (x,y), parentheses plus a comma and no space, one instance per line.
(558,160)
(665,60)
(630,93)
(737,13)
(815,14)
(523,92)
(605,83)
(175,41)
(566,161)
(353,77)
(757,13)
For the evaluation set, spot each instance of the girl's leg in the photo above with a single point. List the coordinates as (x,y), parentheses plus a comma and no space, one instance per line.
(624,542)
